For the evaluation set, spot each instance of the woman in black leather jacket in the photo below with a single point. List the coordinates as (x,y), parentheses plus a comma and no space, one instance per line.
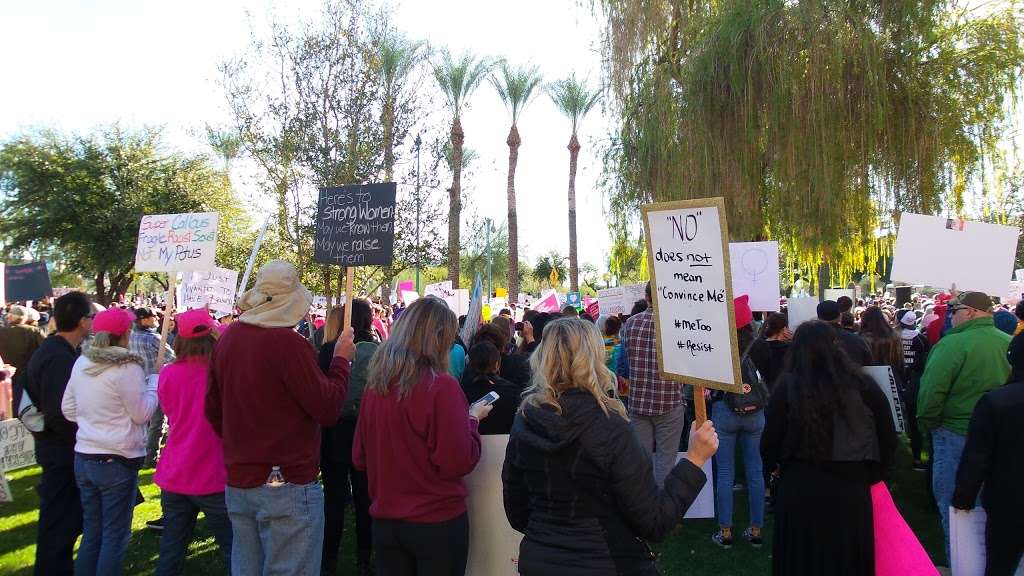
(577,482)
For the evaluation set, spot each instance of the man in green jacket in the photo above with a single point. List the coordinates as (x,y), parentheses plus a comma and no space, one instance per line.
(967,362)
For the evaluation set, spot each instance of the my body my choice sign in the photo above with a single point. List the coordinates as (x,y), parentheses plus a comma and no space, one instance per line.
(688,248)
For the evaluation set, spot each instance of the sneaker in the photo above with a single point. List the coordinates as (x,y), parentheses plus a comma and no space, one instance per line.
(722,540)
(157,524)
(755,540)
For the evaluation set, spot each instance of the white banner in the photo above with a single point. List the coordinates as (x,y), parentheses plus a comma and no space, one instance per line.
(704,505)
(883,376)
(214,288)
(755,272)
(612,301)
(493,544)
(800,310)
(170,242)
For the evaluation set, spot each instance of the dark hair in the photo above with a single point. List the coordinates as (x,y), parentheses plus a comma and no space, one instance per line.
(886,344)
(1018,311)
(193,347)
(492,333)
(612,325)
(820,368)
(69,309)
(570,311)
(845,303)
(744,337)
(539,321)
(638,307)
(483,356)
(776,323)
(647,290)
(505,312)
(846,320)
(587,317)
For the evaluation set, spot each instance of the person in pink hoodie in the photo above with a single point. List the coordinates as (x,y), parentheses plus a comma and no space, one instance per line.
(190,472)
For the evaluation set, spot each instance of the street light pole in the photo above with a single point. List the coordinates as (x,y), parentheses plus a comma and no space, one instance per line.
(418,199)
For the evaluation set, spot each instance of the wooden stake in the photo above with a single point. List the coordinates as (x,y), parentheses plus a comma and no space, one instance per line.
(699,406)
(350,273)
(168,308)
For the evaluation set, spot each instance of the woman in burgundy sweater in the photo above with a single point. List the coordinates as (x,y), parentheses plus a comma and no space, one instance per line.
(416,437)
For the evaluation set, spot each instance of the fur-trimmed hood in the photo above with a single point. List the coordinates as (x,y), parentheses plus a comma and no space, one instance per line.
(110,356)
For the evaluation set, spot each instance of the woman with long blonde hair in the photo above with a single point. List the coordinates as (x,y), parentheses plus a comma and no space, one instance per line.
(416,437)
(577,482)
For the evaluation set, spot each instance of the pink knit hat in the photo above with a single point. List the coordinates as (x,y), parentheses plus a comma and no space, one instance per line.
(114,321)
(743,314)
(195,323)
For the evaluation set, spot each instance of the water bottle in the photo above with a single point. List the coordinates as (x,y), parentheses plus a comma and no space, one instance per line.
(276,479)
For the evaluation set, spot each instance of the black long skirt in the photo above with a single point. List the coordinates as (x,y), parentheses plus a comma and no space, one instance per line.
(823,522)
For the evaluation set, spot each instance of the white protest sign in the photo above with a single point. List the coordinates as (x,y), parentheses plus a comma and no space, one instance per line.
(169,242)
(704,505)
(967,541)
(633,294)
(493,544)
(800,310)
(5,489)
(834,294)
(1018,274)
(17,447)
(973,255)
(410,296)
(444,291)
(611,301)
(496,304)
(687,244)
(1013,293)
(755,272)
(883,376)
(214,288)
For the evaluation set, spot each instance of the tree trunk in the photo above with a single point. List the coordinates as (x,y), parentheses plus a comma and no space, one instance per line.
(325,271)
(513,142)
(101,288)
(389,144)
(455,203)
(574,265)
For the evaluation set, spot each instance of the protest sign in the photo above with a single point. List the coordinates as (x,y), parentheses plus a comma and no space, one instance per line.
(883,376)
(834,294)
(442,290)
(1013,293)
(573,299)
(493,544)
(755,272)
(801,310)
(632,294)
(704,505)
(548,302)
(213,288)
(497,303)
(967,541)
(410,296)
(687,247)
(355,225)
(409,286)
(25,282)
(17,447)
(974,255)
(175,242)
(611,301)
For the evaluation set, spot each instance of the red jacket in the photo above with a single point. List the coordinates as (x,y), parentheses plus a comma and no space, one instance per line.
(267,400)
(416,450)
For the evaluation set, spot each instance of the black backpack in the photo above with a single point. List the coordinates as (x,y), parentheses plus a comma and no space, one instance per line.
(755,396)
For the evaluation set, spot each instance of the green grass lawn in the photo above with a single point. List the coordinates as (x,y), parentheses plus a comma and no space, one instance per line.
(688,551)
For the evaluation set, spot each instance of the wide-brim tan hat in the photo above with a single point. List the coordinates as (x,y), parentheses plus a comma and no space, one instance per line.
(278,300)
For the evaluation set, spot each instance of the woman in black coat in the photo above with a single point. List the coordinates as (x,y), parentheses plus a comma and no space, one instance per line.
(577,482)
(830,435)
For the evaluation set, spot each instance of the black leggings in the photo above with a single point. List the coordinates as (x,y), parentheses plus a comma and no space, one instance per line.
(408,549)
(1004,545)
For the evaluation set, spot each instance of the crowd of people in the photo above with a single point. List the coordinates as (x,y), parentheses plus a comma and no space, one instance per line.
(273,421)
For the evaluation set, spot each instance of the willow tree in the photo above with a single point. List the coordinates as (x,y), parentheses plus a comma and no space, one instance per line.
(574,100)
(457,79)
(515,87)
(818,121)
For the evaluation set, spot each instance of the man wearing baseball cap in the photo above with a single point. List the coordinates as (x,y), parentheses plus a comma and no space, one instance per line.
(145,342)
(967,362)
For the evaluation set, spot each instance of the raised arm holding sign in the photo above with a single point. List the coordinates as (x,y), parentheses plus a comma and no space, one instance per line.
(688,251)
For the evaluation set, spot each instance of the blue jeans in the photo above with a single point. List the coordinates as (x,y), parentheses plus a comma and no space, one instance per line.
(108,497)
(277,530)
(180,512)
(746,430)
(946,449)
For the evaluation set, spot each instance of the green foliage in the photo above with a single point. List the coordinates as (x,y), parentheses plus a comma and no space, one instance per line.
(84,196)
(459,77)
(573,99)
(542,269)
(818,121)
(515,86)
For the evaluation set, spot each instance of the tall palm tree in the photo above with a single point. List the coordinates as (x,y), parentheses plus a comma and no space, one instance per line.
(515,86)
(398,56)
(457,79)
(575,100)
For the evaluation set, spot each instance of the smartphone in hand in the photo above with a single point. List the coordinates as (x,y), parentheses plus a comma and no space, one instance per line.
(488,399)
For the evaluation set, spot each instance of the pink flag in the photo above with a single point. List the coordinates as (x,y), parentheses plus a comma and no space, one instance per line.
(548,303)
(897,549)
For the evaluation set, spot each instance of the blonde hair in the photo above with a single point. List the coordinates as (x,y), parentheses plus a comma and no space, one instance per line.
(572,356)
(335,318)
(422,338)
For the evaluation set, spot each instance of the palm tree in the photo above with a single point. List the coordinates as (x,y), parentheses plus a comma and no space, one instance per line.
(547,263)
(574,99)
(515,87)
(398,57)
(458,79)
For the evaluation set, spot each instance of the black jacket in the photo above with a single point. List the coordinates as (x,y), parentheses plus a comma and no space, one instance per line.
(855,347)
(45,378)
(503,412)
(581,488)
(770,358)
(514,367)
(992,453)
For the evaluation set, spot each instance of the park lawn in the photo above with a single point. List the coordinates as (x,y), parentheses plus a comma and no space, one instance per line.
(688,551)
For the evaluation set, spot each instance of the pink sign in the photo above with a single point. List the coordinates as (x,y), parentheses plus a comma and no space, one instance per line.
(548,303)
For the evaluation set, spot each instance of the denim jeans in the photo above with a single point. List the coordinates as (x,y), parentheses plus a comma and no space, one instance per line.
(277,530)
(745,430)
(946,449)
(660,435)
(180,512)
(108,489)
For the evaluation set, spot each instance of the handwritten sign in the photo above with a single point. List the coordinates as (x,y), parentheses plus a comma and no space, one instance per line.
(687,244)
(886,381)
(355,225)
(24,282)
(611,301)
(214,288)
(17,448)
(173,242)
(755,272)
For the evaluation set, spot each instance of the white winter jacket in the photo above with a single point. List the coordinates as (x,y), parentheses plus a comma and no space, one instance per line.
(110,400)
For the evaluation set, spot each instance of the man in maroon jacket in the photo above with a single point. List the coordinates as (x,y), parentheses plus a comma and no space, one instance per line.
(267,399)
